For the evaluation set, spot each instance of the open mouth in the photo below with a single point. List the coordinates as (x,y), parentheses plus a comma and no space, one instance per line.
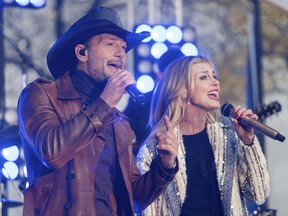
(214,94)
(115,65)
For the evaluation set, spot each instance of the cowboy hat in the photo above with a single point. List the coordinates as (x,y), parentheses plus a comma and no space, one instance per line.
(61,56)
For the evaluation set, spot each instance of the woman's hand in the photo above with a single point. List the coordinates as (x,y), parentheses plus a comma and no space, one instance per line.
(245,133)
(167,145)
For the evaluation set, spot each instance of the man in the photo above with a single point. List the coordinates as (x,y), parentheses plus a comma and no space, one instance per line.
(77,145)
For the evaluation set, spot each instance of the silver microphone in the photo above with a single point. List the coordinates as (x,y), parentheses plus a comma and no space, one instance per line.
(226,110)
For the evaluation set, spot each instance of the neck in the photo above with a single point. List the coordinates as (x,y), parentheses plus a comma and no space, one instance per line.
(190,127)
(193,123)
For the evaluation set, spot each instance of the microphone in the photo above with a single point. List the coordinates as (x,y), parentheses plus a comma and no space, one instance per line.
(135,94)
(226,110)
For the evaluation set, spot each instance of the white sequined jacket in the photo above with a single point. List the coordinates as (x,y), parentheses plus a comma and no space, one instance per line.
(241,172)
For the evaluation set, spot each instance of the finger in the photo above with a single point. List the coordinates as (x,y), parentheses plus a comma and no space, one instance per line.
(169,126)
(245,112)
(254,116)
(162,139)
(121,75)
(238,110)
(122,80)
(166,149)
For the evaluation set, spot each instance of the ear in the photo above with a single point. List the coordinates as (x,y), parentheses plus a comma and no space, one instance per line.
(184,97)
(80,52)
(184,94)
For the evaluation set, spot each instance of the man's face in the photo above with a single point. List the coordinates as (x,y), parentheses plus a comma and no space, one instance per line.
(106,55)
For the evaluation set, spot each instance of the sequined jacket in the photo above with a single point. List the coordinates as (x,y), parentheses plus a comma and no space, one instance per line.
(241,172)
(62,147)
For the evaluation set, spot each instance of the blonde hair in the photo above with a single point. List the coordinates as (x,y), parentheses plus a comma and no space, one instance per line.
(167,98)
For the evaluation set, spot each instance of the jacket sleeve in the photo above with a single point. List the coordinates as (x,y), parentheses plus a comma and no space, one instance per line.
(253,172)
(155,178)
(57,131)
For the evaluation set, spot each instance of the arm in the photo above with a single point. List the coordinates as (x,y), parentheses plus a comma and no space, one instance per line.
(155,178)
(253,172)
(252,167)
(151,184)
(54,137)
(148,162)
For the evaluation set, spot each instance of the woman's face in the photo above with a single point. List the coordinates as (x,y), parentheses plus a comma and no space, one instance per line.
(205,87)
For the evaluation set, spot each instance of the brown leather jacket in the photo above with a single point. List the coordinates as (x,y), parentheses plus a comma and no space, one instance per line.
(60,140)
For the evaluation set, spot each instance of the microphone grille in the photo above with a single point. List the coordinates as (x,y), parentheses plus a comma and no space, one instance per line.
(226,109)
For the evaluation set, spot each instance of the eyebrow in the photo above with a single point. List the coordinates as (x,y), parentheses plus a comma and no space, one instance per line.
(207,72)
(115,38)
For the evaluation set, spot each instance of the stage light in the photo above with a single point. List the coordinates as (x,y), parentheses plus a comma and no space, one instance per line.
(38,3)
(158,33)
(163,38)
(143,50)
(144,27)
(10,170)
(23,170)
(189,34)
(11,153)
(189,49)
(145,83)
(174,34)
(144,66)
(25,3)
(158,49)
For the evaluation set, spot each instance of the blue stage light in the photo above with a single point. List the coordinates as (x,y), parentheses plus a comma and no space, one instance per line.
(144,27)
(144,66)
(22,2)
(38,3)
(145,83)
(163,38)
(174,34)
(11,153)
(10,170)
(143,50)
(25,3)
(158,33)
(189,49)
(158,49)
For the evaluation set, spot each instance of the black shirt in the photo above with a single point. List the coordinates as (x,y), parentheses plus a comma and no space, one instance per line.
(202,192)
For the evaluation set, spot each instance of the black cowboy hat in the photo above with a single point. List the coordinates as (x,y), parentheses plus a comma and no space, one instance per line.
(61,56)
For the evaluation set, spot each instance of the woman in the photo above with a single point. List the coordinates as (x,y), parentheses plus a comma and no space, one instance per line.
(220,162)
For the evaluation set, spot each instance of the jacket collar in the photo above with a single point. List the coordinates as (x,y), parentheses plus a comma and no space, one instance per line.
(65,88)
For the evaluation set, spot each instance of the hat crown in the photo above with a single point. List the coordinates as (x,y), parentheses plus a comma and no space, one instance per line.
(97,14)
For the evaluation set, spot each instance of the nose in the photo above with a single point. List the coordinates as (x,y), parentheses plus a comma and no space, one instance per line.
(215,81)
(120,52)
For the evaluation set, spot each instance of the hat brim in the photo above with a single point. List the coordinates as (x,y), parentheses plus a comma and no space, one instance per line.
(61,56)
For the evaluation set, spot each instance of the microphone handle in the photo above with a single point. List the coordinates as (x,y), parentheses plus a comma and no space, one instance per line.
(135,94)
(266,130)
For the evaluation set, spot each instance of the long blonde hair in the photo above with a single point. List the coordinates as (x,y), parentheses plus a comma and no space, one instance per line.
(167,97)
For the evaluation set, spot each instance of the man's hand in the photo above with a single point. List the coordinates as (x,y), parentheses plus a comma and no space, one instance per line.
(115,87)
(167,145)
